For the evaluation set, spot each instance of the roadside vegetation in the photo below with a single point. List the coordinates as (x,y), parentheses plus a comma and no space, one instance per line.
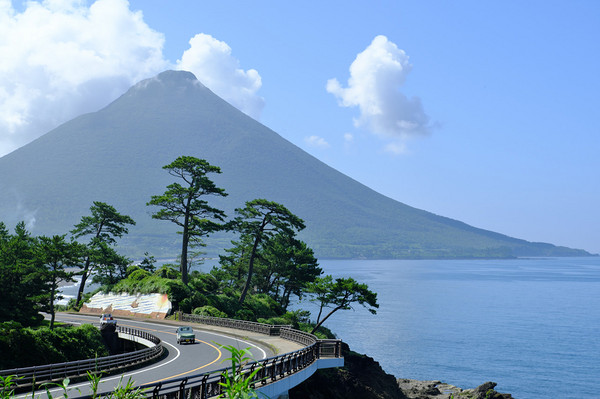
(265,269)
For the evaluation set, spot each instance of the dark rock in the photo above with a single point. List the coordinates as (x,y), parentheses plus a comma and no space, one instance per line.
(486,391)
(363,378)
(360,378)
(486,386)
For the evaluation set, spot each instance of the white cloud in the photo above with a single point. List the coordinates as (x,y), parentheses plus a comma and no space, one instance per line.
(61,58)
(375,79)
(396,147)
(348,137)
(316,142)
(212,63)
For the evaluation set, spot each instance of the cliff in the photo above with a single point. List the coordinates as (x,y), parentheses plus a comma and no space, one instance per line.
(363,378)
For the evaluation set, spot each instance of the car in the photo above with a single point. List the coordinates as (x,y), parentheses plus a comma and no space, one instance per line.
(107,318)
(185,334)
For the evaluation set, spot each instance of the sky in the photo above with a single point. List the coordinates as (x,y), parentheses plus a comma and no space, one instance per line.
(485,112)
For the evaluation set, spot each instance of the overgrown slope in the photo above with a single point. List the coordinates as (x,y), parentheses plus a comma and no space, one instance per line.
(116,156)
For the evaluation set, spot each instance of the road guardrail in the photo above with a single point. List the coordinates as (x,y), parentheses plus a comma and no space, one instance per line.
(28,376)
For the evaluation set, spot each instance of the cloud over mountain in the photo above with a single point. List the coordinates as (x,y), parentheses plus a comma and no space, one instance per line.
(212,63)
(376,76)
(61,59)
(64,58)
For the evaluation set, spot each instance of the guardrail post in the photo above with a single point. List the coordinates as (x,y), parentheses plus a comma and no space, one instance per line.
(182,388)
(156,390)
(203,393)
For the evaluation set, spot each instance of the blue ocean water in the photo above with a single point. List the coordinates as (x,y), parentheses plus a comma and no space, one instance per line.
(531,325)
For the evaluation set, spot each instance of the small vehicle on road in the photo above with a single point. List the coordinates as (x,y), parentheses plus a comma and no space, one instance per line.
(107,318)
(185,334)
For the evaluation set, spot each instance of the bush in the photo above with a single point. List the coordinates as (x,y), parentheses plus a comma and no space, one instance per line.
(209,311)
(262,306)
(24,347)
(225,303)
(193,301)
(244,314)
(275,321)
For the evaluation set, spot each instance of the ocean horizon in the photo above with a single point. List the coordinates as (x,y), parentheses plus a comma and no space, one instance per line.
(531,325)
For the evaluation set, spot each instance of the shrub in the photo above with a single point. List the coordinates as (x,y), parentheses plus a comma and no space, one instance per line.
(262,306)
(209,311)
(23,347)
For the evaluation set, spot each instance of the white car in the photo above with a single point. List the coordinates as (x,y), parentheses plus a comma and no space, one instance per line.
(107,318)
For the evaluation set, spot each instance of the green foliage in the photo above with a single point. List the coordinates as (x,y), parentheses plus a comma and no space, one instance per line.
(22,278)
(294,318)
(258,222)
(127,391)
(168,271)
(237,383)
(56,255)
(193,300)
(287,267)
(7,386)
(204,282)
(261,306)
(63,385)
(148,263)
(226,303)
(210,311)
(341,294)
(104,225)
(184,204)
(45,346)
(122,391)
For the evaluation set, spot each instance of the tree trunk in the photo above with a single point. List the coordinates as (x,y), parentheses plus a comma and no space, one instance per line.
(325,318)
(52,312)
(84,277)
(250,269)
(183,268)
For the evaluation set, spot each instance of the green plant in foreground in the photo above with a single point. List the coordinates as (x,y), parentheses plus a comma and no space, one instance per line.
(64,385)
(94,379)
(127,391)
(237,384)
(7,386)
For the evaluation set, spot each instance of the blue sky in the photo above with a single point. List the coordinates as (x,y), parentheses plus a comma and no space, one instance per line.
(485,112)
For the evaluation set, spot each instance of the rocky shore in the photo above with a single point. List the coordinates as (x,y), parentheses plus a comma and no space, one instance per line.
(362,377)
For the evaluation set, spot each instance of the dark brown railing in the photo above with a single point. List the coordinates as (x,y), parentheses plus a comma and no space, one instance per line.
(200,386)
(203,386)
(27,376)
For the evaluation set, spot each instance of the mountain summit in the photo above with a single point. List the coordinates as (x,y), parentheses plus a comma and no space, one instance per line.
(116,156)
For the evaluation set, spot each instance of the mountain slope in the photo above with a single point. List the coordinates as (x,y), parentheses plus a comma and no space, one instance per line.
(116,155)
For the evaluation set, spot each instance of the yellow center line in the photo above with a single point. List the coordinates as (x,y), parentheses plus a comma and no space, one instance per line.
(196,369)
(186,372)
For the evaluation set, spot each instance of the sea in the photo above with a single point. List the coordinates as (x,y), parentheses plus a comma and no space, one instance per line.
(531,325)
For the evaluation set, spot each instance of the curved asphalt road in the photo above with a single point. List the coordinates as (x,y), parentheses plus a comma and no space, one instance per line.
(182,360)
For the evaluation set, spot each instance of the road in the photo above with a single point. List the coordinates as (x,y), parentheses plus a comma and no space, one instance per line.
(181,360)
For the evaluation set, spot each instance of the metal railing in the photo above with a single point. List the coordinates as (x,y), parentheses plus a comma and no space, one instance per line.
(207,385)
(203,386)
(253,326)
(28,376)
(200,386)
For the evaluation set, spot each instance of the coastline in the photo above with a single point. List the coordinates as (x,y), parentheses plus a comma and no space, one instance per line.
(362,377)
(416,389)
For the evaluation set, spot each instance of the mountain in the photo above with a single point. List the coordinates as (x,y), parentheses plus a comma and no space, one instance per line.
(116,155)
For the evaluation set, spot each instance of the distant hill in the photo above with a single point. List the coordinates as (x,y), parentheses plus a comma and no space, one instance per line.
(116,156)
